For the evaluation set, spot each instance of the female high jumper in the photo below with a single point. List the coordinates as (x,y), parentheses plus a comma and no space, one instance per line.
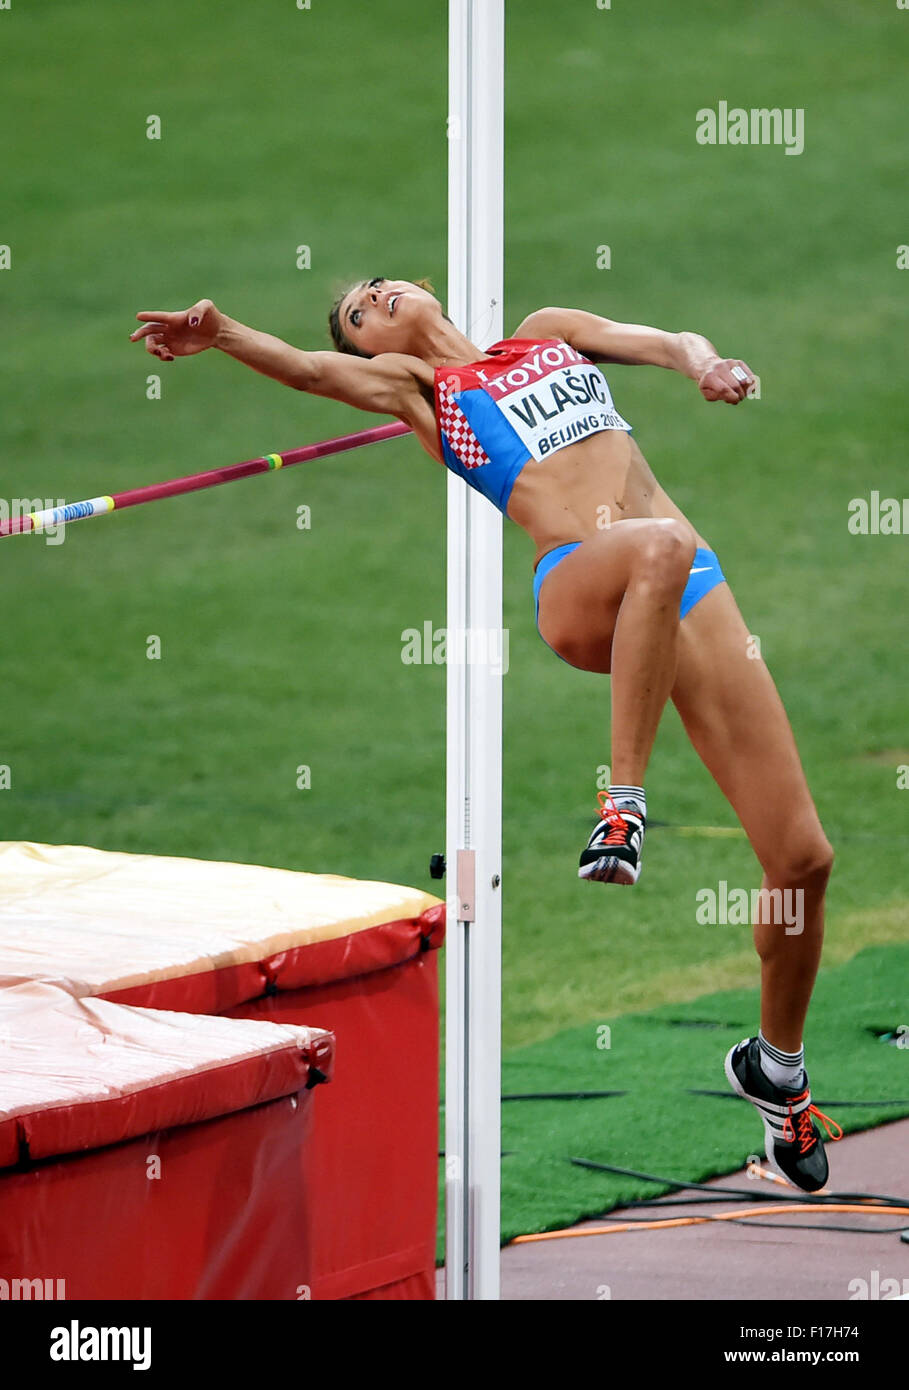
(623,585)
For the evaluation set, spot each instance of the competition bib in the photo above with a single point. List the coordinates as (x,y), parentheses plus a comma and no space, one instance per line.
(552,398)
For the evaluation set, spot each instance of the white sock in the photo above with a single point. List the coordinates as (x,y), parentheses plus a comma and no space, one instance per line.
(632,798)
(782,1068)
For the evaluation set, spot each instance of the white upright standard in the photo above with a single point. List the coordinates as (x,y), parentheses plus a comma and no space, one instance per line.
(474,695)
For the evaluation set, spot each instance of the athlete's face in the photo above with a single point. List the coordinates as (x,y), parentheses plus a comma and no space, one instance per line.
(387,315)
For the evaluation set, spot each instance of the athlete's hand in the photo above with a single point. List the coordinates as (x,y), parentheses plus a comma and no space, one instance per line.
(181,334)
(727,379)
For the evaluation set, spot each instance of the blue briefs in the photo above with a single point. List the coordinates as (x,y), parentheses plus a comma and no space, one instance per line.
(705,574)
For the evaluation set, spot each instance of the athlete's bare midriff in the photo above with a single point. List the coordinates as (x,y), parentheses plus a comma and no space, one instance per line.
(575,493)
(584,488)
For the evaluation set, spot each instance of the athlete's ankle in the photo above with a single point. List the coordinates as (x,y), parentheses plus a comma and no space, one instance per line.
(629,798)
(782,1068)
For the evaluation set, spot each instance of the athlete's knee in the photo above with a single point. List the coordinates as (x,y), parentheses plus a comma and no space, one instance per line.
(805,862)
(665,553)
(578,649)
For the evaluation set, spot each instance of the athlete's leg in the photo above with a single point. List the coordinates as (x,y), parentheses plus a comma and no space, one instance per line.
(736,721)
(612,605)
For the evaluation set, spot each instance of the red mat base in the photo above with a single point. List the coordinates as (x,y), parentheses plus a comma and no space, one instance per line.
(217,1210)
(375,1143)
(418,1286)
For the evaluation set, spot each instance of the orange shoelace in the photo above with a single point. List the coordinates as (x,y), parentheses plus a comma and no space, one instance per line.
(619,831)
(803,1129)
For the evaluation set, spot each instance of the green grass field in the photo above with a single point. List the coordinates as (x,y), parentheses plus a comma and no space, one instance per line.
(282,647)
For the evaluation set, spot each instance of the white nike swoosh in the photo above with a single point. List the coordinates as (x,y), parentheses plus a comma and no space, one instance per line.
(702,570)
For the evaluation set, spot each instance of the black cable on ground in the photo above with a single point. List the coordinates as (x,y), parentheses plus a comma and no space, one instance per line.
(786,1225)
(822,1226)
(743,1192)
(562,1095)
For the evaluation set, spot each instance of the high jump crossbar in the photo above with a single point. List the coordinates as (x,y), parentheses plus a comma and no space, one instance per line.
(195,482)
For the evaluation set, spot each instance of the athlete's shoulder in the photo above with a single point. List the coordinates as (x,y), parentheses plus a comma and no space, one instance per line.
(413,384)
(409,378)
(547,323)
(402,364)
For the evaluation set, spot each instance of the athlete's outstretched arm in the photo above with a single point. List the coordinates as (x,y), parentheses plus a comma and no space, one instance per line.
(604,340)
(383,384)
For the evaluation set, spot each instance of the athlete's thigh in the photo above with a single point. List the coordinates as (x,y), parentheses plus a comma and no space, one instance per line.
(736,721)
(580,597)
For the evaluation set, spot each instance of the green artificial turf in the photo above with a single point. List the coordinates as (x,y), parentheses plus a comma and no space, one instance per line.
(660,1059)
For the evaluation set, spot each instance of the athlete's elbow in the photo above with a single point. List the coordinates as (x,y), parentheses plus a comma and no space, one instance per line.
(304,375)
